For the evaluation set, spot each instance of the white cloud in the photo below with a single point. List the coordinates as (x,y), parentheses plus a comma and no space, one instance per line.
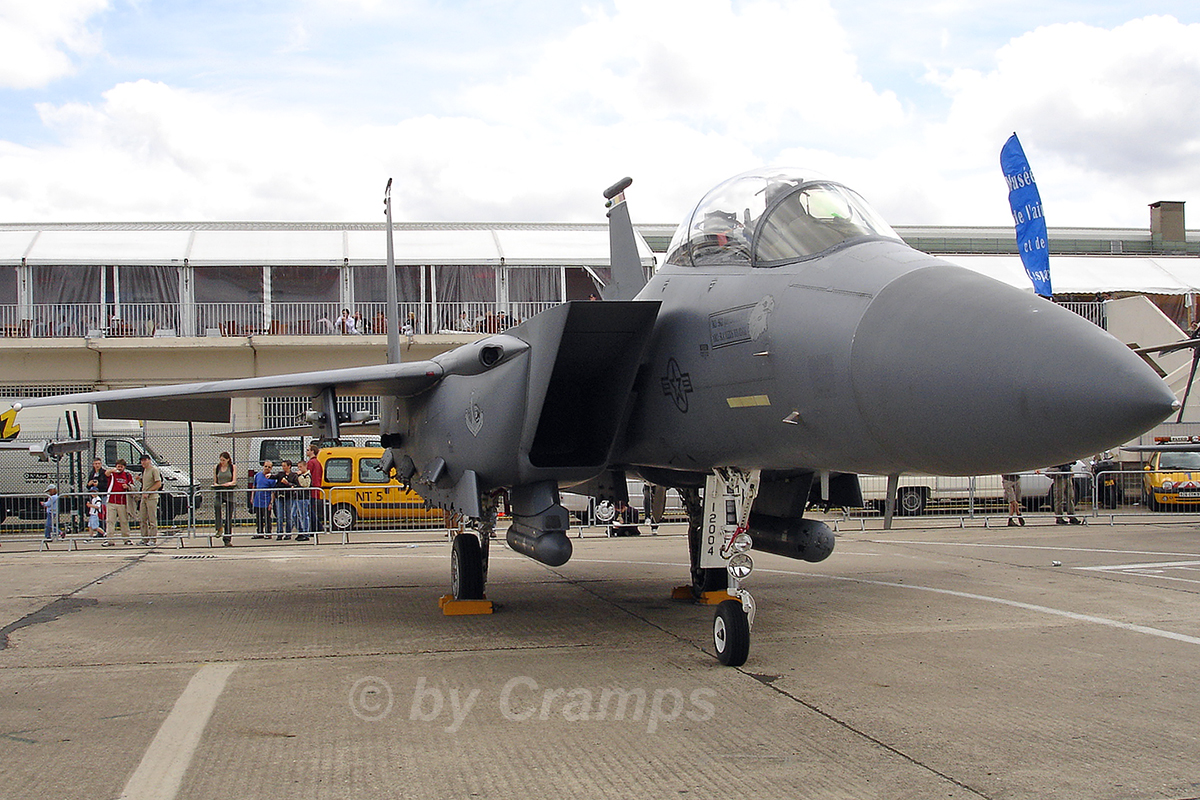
(763,73)
(1105,115)
(38,38)
(678,95)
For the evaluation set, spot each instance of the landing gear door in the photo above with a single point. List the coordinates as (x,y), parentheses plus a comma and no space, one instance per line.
(728,496)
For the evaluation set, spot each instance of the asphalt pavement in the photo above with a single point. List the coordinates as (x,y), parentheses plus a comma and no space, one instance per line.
(935,662)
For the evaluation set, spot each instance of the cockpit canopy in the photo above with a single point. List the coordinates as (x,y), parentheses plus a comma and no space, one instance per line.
(769,217)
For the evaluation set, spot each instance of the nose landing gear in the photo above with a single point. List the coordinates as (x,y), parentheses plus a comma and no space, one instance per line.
(718,544)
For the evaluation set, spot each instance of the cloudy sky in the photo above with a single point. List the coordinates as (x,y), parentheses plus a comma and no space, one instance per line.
(525,110)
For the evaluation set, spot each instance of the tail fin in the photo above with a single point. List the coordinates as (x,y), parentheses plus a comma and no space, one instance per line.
(628,275)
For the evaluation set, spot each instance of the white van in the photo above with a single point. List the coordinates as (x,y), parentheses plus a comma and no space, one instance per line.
(23,478)
(917,492)
(293,448)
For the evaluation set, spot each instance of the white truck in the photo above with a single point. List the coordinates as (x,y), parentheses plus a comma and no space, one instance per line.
(918,492)
(23,477)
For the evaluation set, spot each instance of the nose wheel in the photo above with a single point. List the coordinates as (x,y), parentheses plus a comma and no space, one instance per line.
(731,633)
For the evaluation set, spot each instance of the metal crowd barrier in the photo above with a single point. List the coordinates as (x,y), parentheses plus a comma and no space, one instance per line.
(196,523)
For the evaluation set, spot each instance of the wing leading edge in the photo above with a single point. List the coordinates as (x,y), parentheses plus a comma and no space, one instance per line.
(209,401)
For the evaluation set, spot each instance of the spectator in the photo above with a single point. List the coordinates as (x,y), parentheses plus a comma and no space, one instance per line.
(120,481)
(151,484)
(97,481)
(95,508)
(260,500)
(653,500)
(301,504)
(625,520)
(224,482)
(1064,495)
(51,506)
(284,483)
(316,519)
(1012,493)
(344,324)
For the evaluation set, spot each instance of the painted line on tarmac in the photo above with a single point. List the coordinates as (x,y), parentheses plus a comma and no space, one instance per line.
(1036,547)
(1149,565)
(161,771)
(1057,612)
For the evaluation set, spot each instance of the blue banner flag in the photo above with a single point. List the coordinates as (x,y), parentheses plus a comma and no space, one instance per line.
(1026,204)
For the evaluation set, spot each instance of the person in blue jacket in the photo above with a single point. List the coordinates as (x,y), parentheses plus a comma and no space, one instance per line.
(260,500)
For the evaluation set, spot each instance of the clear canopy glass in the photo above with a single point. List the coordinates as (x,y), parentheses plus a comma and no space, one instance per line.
(773,216)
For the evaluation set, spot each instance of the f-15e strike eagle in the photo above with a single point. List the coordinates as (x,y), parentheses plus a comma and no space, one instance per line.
(789,341)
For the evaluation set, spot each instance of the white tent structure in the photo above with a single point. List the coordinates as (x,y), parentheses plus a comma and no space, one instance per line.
(1095,274)
(239,278)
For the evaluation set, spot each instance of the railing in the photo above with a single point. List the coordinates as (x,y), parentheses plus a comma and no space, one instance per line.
(1093,311)
(44,320)
(96,320)
(294,319)
(22,517)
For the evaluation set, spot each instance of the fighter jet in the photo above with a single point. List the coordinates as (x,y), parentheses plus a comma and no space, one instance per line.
(789,340)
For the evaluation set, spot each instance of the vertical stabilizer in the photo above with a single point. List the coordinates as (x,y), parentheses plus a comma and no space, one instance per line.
(628,275)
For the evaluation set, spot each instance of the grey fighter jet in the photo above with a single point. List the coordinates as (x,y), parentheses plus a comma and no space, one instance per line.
(789,341)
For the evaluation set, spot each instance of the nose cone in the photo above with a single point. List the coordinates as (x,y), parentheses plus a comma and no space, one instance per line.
(958,374)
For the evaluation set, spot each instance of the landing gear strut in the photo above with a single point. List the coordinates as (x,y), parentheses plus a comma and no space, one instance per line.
(703,580)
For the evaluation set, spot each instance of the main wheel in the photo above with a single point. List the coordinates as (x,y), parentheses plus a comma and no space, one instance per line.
(605,512)
(466,567)
(910,501)
(343,517)
(731,633)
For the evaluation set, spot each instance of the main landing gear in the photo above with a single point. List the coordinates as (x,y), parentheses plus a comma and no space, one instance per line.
(717,545)
(469,566)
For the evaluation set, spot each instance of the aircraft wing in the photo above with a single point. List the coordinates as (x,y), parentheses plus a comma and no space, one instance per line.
(209,401)
(1178,447)
(370,426)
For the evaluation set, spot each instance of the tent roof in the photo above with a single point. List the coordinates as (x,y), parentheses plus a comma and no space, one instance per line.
(1095,274)
(298,244)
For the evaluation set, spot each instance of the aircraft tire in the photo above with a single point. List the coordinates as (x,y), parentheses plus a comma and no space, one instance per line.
(605,512)
(731,633)
(466,567)
(910,502)
(343,517)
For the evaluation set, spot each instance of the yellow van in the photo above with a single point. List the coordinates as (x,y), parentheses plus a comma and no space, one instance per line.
(359,492)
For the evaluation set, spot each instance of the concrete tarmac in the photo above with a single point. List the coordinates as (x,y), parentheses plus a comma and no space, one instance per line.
(916,663)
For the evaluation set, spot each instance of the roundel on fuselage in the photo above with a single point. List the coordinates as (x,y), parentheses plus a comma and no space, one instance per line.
(769,217)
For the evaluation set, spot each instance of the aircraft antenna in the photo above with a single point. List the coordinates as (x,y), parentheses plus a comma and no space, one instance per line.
(393,292)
